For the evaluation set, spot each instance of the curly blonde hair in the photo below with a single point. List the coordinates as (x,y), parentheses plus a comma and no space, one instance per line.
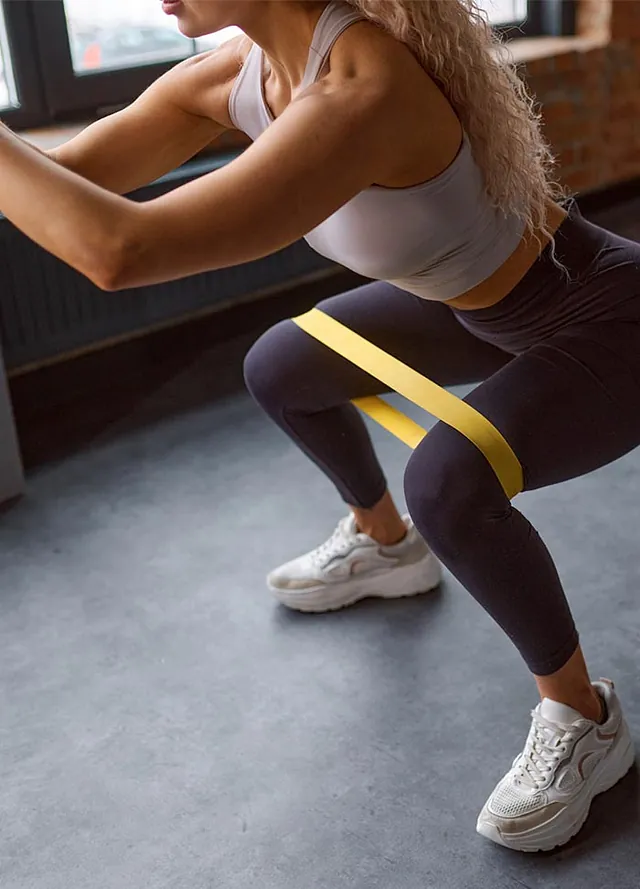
(458,48)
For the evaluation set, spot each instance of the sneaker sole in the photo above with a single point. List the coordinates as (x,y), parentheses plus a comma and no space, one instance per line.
(395,584)
(569,821)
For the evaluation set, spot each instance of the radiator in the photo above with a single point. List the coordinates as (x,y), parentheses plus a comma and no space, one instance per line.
(47,309)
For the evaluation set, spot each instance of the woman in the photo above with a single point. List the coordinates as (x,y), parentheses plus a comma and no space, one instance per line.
(393,136)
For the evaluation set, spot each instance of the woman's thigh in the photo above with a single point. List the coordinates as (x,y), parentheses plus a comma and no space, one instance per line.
(423,334)
(569,405)
(288,364)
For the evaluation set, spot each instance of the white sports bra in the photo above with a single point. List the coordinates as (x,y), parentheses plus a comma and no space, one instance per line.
(437,240)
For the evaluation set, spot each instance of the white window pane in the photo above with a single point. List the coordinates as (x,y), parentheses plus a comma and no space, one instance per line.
(8,93)
(502,11)
(121,34)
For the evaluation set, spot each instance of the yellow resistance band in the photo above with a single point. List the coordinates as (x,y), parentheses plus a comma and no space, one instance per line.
(418,389)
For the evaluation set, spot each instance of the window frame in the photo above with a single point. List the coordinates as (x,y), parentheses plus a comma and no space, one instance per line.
(26,68)
(50,90)
(545,18)
(70,94)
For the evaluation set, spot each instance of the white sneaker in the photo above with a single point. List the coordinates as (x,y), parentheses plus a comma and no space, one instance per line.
(351,566)
(567,760)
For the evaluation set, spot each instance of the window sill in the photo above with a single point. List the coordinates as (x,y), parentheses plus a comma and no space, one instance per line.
(530,49)
(46,138)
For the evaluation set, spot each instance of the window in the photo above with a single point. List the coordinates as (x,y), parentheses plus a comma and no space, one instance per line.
(505,12)
(8,95)
(530,18)
(66,59)
(127,33)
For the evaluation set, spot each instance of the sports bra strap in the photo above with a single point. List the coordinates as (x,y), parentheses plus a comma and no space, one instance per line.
(334,20)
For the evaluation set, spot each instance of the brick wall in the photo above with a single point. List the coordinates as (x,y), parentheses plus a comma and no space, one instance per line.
(589,90)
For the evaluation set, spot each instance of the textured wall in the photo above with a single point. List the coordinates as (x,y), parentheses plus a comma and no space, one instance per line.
(589,90)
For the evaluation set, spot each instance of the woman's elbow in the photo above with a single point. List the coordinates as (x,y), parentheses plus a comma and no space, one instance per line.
(117,266)
(110,277)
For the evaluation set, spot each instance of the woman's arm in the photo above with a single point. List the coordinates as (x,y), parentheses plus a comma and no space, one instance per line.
(327,146)
(175,118)
(76,220)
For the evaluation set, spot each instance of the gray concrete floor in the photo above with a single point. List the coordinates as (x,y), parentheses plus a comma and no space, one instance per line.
(163,724)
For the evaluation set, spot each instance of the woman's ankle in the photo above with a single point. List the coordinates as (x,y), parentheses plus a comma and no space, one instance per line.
(571,686)
(586,702)
(591,706)
(383,523)
(383,536)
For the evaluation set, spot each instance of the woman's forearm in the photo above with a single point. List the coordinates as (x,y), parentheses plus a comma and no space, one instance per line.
(80,223)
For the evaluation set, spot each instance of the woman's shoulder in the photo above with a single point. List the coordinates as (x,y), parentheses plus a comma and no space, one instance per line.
(203,83)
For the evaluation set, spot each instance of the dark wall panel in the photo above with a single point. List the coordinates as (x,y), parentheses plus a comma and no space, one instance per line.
(47,309)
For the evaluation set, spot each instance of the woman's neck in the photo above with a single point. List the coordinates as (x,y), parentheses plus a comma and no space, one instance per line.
(284,30)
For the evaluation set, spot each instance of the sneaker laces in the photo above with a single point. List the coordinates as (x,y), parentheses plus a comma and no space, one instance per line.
(338,544)
(546,746)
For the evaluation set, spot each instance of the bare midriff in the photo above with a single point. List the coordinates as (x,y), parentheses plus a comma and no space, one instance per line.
(503,280)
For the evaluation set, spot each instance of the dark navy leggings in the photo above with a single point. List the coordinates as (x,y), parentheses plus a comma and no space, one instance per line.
(560,365)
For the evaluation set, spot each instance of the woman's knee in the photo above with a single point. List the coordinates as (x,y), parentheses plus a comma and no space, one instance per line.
(286,369)
(449,488)
(271,365)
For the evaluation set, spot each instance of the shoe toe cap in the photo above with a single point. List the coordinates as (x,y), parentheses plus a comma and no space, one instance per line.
(289,578)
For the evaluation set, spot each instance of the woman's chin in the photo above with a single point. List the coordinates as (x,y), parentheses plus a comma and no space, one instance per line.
(191,29)
(187,29)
